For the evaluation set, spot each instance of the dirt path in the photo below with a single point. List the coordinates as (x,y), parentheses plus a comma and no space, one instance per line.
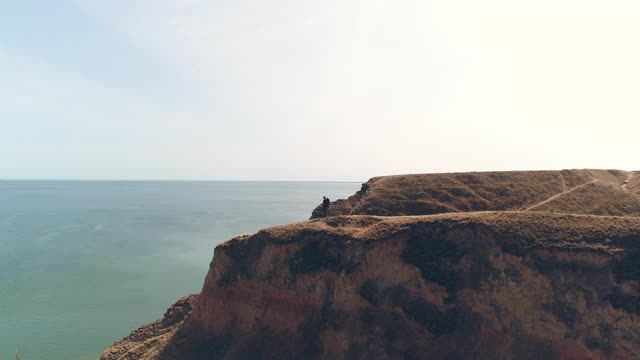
(470,189)
(564,192)
(626,181)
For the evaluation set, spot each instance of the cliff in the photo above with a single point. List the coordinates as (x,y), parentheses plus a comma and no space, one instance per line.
(525,284)
(147,341)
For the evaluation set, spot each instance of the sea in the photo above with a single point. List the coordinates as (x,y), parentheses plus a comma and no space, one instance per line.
(83,263)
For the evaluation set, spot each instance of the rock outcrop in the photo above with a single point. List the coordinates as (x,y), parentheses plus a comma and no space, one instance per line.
(525,284)
(147,341)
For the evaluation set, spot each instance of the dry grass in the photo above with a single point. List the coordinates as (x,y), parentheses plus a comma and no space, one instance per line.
(609,234)
(567,191)
(597,198)
(633,185)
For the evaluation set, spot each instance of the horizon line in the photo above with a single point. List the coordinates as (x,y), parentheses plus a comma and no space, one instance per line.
(182,180)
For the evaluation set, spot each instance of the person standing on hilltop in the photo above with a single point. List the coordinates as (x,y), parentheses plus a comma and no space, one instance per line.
(325,206)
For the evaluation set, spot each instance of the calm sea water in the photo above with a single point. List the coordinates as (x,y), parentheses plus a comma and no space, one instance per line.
(82,263)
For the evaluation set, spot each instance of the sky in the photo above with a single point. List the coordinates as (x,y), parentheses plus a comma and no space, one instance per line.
(315,90)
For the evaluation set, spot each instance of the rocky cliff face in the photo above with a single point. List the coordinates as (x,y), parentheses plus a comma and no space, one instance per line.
(147,341)
(483,285)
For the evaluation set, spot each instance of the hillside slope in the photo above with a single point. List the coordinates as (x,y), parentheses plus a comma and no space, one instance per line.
(525,284)
(595,192)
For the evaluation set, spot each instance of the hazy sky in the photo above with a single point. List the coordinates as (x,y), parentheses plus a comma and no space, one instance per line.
(315,90)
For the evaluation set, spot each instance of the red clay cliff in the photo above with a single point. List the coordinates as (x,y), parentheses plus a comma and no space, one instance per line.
(542,275)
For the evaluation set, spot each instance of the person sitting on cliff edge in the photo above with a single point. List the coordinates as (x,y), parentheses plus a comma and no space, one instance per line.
(325,206)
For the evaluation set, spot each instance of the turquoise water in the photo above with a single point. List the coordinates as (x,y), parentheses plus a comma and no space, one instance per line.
(82,263)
